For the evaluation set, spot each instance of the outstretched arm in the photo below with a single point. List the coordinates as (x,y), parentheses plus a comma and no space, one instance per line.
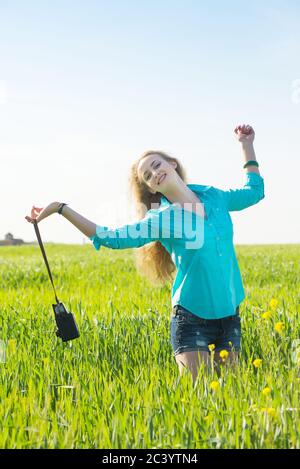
(86,227)
(150,228)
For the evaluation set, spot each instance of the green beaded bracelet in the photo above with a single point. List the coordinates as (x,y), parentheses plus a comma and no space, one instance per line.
(252,162)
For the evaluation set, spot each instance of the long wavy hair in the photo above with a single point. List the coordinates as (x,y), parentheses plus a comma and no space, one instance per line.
(152,260)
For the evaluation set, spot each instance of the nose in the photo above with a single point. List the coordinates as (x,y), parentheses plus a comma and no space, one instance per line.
(156,174)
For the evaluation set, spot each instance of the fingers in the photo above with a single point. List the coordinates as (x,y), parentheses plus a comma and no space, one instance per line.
(244,129)
(35,211)
(240,128)
(33,218)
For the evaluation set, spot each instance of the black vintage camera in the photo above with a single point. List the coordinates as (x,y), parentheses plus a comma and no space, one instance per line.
(66,325)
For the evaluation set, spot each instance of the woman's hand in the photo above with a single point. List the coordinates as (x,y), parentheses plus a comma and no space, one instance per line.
(244,133)
(39,214)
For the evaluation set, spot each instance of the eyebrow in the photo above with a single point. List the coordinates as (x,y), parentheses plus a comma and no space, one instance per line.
(150,166)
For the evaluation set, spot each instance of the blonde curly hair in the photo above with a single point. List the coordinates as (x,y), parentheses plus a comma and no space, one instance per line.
(152,260)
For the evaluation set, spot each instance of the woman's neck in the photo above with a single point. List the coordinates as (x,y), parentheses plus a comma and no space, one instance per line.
(180,194)
(185,197)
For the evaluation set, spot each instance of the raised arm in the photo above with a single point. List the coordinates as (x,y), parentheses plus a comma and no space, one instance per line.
(245,135)
(253,189)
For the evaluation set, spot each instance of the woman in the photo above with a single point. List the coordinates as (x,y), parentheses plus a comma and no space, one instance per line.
(207,289)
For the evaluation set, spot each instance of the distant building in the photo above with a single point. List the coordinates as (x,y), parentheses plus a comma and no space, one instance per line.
(11,241)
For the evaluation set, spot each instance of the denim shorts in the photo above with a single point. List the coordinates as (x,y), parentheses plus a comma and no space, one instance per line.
(190,332)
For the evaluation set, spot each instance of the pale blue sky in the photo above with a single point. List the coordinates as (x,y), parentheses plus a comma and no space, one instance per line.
(85,87)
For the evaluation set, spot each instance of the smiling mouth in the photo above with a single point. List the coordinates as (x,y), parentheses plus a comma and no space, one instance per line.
(161,178)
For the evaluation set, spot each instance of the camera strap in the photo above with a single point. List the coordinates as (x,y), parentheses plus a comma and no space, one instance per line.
(37,232)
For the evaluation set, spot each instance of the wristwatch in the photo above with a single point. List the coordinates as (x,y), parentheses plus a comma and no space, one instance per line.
(60,208)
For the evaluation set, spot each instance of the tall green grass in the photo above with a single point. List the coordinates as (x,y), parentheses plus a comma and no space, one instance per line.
(118,385)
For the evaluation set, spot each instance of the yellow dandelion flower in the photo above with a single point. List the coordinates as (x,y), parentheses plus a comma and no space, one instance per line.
(211,347)
(269,410)
(273,303)
(215,385)
(266,391)
(224,355)
(257,362)
(279,327)
(266,315)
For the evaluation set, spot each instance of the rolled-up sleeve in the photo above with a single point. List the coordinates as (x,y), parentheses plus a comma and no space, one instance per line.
(250,194)
(153,227)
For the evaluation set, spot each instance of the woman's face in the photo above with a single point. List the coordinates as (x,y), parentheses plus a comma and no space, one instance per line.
(156,172)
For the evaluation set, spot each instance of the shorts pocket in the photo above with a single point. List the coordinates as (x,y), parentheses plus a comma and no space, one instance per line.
(186,317)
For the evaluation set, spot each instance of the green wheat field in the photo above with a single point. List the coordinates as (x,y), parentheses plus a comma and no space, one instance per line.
(118,385)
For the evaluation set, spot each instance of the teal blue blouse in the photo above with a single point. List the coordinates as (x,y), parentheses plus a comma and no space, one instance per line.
(208,281)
